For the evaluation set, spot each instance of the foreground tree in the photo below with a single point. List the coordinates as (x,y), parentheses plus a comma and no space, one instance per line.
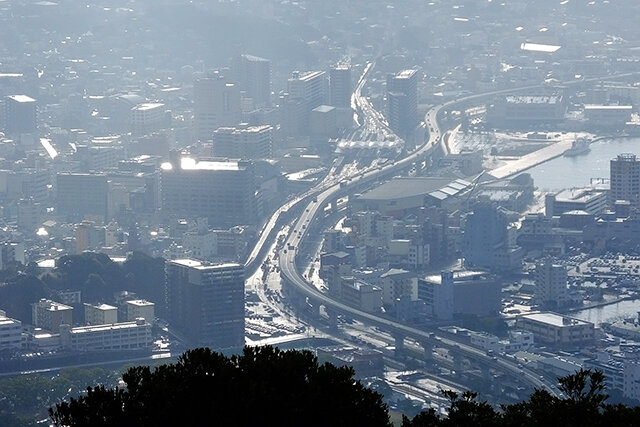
(584,405)
(263,386)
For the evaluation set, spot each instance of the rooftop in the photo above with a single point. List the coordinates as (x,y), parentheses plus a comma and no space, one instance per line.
(555,319)
(537,47)
(584,194)
(189,164)
(609,107)
(533,99)
(21,98)
(145,106)
(399,188)
(405,74)
(199,265)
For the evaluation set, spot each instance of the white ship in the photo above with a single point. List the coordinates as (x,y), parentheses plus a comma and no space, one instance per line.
(579,146)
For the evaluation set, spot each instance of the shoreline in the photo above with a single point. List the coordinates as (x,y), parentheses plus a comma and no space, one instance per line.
(541,156)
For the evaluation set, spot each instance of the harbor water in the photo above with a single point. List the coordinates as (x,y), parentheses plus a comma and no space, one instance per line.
(567,172)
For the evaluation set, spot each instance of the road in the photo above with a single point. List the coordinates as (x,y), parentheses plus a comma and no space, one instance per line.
(301,226)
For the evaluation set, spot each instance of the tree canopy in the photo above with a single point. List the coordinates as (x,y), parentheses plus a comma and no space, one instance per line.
(262,386)
(267,386)
(584,405)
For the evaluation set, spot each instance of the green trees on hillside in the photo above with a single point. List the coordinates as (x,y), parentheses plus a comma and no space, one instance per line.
(94,274)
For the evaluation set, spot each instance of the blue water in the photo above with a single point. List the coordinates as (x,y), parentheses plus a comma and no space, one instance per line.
(567,172)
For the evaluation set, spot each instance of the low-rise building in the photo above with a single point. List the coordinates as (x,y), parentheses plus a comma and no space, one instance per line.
(100,314)
(460,292)
(361,295)
(556,329)
(118,336)
(49,315)
(588,199)
(139,308)
(10,333)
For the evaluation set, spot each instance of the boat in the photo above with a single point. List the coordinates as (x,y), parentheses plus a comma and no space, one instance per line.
(578,147)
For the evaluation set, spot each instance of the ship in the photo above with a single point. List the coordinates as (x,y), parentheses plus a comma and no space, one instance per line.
(578,147)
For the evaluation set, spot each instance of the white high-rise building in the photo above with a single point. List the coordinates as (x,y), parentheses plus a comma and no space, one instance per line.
(243,142)
(216,104)
(550,281)
(625,179)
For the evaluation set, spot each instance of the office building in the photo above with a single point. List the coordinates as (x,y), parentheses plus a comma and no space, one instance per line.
(206,302)
(340,86)
(80,195)
(20,114)
(518,110)
(25,183)
(551,283)
(625,179)
(306,91)
(556,329)
(216,104)
(108,337)
(254,78)
(460,292)
(100,314)
(402,102)
(221,191)
(310,87)
(148,117)
(590,200)
(49,315)
(608,116)
(243,142)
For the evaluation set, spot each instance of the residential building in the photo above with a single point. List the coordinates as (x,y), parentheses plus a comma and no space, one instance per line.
(49,315)
(625,179)
(139,308)
(206,302)
(398,283)
(100,314)
(361,295)
(551,283)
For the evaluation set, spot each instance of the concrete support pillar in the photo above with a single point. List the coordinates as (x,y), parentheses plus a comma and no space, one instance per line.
(428,350)
(333,318)
(457,363)
(399,342)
